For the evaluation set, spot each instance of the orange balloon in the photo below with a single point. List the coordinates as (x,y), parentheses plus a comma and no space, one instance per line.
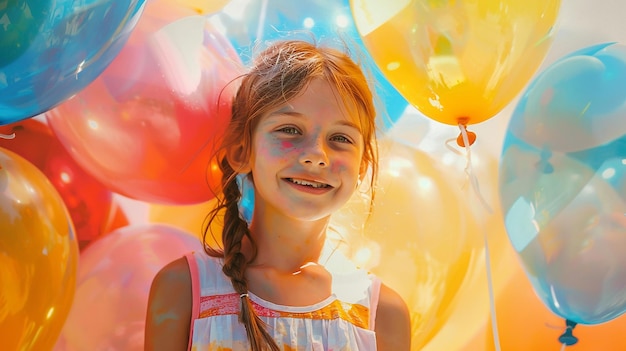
(419,238)
(38,257)
(88,201)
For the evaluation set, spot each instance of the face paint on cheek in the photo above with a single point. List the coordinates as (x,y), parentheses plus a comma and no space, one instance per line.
(339,167)
(277,148)
(286,148)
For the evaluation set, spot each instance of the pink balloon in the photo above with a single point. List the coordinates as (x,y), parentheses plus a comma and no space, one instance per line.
(113,284)
(146,128)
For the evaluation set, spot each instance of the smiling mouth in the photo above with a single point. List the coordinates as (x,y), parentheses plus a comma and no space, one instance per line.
(308,183)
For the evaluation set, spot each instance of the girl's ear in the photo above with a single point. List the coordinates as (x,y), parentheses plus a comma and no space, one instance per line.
(239,159)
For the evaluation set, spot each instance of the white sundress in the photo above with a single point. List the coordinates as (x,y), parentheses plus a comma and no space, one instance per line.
(342,322)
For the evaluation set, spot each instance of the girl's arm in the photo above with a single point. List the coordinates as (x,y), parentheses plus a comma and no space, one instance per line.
(169,308)
(393,323)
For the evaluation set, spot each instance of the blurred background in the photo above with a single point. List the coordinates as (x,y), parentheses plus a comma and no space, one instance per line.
(500,213)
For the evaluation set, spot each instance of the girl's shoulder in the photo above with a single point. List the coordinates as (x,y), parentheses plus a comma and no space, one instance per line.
(170,296)
(393,322)
(175,273)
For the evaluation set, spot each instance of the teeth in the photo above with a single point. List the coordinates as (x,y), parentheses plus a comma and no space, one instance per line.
(307,183)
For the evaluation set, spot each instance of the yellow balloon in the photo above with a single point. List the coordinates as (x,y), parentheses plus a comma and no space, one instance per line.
(458,62)
(38,257)
(471,313)
(419,237)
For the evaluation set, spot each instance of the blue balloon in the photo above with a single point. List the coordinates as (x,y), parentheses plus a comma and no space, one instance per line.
(50,50)
(562,184)
(249,22)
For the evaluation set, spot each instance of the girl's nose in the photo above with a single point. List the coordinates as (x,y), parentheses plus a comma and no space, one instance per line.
(314,154)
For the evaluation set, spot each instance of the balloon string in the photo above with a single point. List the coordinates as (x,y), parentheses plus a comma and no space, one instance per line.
(475,186)
(7,136)
(469,171)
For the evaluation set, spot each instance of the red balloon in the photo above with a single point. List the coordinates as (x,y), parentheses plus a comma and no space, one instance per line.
(88,201)
(147,127)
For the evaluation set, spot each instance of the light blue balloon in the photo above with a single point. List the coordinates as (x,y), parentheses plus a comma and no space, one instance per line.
(562,184)
(577,103)
(249,22)
(50,50)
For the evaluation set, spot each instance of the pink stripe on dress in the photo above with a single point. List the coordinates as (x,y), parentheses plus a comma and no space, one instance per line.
(195,288)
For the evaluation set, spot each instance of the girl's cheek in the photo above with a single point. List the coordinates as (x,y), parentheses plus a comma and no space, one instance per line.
(286,148)
(339,167)
(279,148)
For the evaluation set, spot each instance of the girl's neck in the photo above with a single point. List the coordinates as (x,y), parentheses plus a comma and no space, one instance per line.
(286,244)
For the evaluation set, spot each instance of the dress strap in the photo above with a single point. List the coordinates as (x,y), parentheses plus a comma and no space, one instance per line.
(195,288)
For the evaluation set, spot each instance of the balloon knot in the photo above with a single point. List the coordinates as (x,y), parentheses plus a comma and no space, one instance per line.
(471,138)
(567,337)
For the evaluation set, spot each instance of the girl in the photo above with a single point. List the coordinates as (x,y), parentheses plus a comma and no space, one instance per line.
(303,133)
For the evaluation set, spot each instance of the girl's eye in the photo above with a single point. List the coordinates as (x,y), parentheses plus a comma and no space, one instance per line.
(289,130)
(341,139)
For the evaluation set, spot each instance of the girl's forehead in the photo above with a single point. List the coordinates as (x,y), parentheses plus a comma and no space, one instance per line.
(350,117)
(324,94)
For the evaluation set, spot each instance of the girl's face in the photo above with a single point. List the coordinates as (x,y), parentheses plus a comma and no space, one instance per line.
(307,155)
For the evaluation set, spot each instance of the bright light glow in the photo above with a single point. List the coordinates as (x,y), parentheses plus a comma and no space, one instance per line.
(608,173)
(362,256)
(425,183)
(50,313)
(554,298)
(396,165)
(392,66)
(93,124)
(308,23)
(65,178)
(342,21)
